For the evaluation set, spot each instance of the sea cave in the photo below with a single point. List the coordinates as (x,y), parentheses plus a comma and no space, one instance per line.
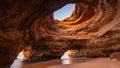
(29,27)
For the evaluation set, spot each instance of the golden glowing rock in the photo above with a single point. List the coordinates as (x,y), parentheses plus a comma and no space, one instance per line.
(93,28)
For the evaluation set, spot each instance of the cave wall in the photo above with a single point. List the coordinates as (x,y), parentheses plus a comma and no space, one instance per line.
(93,28)
(19,21)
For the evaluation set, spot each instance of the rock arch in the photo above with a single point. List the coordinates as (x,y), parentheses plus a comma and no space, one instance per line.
(93,26)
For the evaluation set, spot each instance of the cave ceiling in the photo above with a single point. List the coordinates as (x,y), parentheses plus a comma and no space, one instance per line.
(94,26)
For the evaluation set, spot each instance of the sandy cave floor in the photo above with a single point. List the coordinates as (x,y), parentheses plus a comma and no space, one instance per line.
(77,63)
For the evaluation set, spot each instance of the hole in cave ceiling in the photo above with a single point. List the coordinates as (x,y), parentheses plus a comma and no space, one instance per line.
(64,12)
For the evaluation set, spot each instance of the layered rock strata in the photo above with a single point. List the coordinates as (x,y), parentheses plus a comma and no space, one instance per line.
(93,28)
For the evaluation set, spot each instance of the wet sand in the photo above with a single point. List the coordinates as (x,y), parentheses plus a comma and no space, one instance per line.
(42,64)
(54,63)
(77,63)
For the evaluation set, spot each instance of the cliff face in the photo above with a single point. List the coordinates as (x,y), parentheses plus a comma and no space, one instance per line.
(93,29)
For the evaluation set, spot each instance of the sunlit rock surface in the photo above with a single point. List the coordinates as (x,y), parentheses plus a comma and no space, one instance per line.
(93,29)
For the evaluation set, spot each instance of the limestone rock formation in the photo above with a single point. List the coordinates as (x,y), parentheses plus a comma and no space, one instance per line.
(93,28)
(115,55)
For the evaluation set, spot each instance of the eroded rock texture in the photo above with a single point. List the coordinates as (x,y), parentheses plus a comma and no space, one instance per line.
(93,28)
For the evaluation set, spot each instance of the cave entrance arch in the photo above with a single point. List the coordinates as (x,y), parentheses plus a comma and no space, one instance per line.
(18,62)
(66,59)
(64,12)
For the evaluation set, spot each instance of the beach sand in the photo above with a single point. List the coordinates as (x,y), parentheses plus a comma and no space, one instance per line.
(77,63)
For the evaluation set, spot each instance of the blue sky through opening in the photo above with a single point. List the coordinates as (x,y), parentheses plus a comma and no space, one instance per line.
(64,12)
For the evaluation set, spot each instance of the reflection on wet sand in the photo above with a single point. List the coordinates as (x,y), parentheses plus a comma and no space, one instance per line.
(18,63)
(93,63)
(65,59)
(53,63)
(70,63)
(42,64)
(74,60)
(75,63)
